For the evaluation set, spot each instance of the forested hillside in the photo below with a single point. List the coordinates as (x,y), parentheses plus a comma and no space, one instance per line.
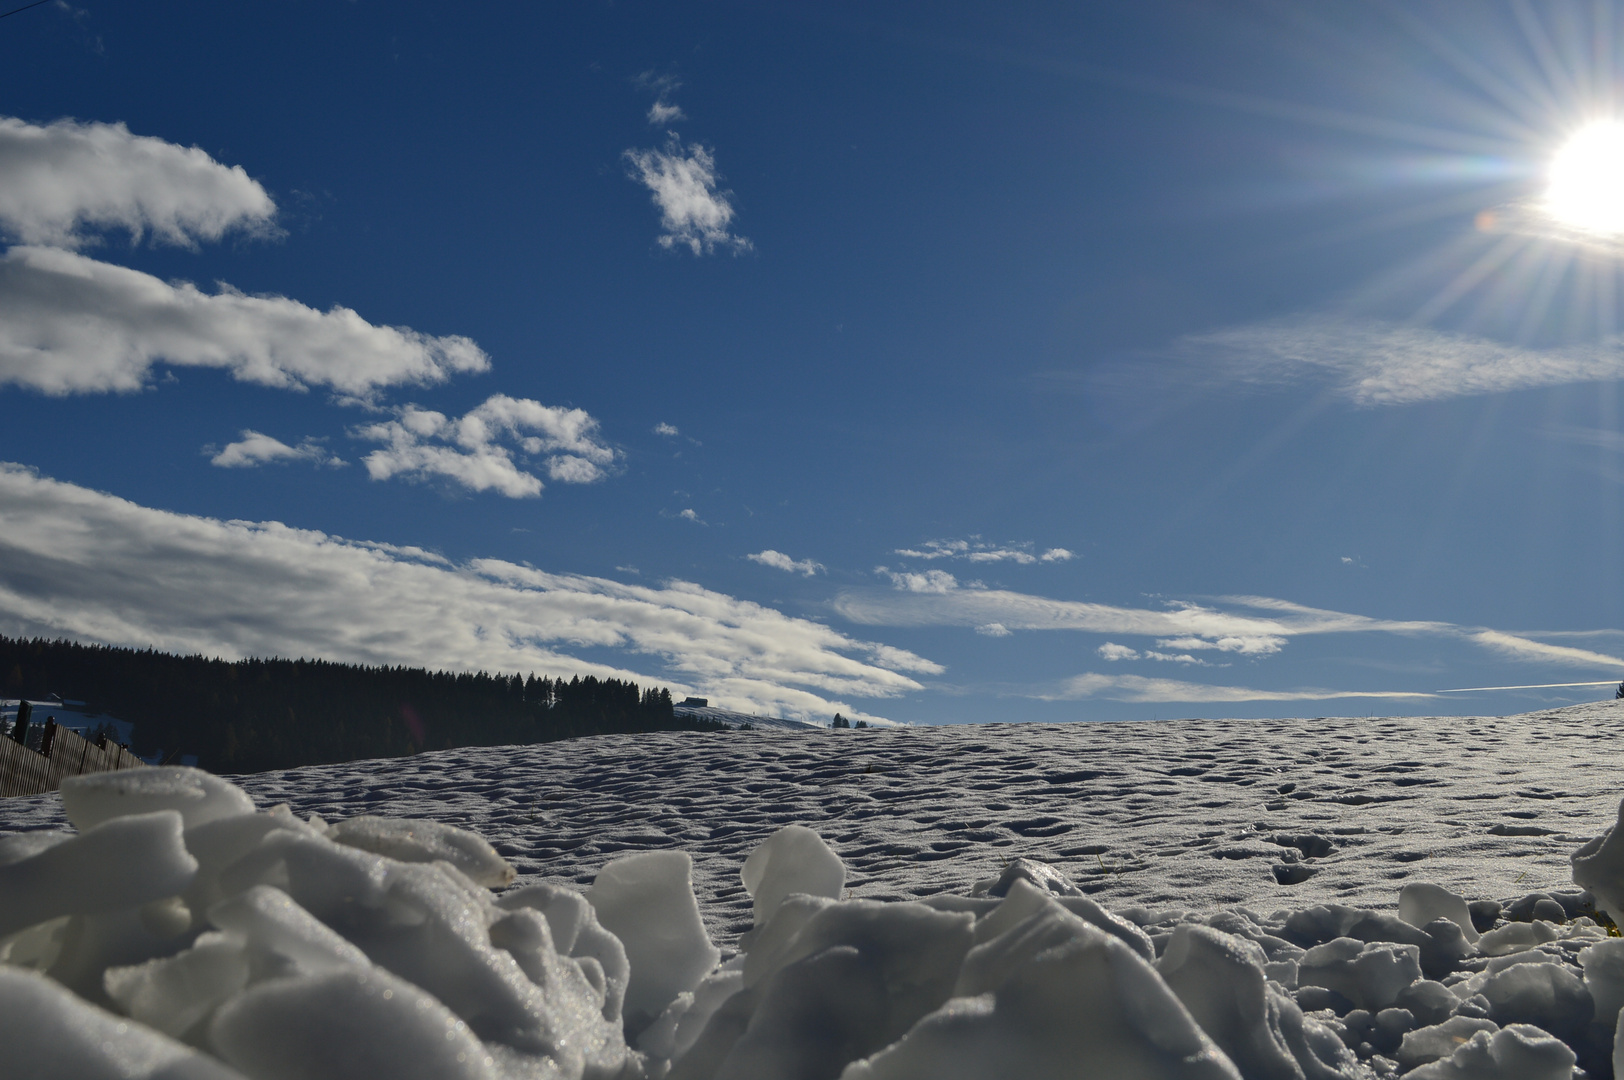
(252,715)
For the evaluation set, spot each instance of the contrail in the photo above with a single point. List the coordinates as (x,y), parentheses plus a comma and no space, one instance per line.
(1533,686)
(25,7)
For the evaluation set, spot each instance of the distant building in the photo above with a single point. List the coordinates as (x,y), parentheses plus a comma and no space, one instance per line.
(694,703)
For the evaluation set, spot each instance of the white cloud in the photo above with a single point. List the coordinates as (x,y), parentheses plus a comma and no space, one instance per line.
(1139,690)
(779,561)
(1114,652)
(69,324)
(666,429)
(256,448)
(1244,644)
(1248,626)
(931,581)
(59,179)
(478,451)
(694,213)
(1378,363)
(994,629)
(689,515)
(662,112)
(1522,648)
(89,566)
(977,551)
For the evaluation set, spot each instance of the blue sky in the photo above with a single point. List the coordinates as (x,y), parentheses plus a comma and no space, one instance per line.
(934,364)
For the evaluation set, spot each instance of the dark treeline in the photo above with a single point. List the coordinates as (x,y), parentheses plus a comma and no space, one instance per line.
(253,715)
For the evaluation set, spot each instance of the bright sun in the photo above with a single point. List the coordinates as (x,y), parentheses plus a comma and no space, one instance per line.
(1587,179)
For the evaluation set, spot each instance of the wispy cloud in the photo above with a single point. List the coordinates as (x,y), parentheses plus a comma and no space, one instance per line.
(977,550)
(1244,626)
(1522,648)
(663,112)
(488,448)
(1136,689)
(74,325)
(668,430)
(59,180)
(86,565)
(779,561)
(1599,438)
(1378,363)
(694,212)
(256,448)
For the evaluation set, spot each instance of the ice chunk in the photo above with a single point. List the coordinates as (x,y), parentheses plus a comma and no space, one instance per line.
(1040,874)
(1118,927)
(270,924)
(1419,904)
(1603,965)
(1219,978)
(647,901)
(219,843)
(1090,1004)
(679,1027)
(577,934)
(429,924)
(49,1033)
(425,841)
(1518,1052)
(19,846)
(1369,975)
(1546,995)
(116,864)
(93,798)
(1440,1040)
(344,1025)
(1515,937)
(1598,865)
(792,860)
(815,1016)
(173,993)
(856,978)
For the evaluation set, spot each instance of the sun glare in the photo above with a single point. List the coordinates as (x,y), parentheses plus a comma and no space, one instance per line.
(1587,179)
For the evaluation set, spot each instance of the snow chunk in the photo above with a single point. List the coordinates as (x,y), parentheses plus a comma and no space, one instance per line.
(173,993)
(1219,979)
(1369,975)
(116,864)
(270,925)
(1089,1000)
(1599,866)
(425,841)
(1603,965)
(647,901)
(1517,937)
(1518,1052)
(1419,904)
(792,860)
(200,797)
(1545,995)
(577,934)
(344,1025)
(47,1031)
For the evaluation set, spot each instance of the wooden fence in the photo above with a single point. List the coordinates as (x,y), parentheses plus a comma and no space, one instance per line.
(61,753)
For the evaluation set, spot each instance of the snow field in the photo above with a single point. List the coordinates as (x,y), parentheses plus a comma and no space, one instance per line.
(182,933)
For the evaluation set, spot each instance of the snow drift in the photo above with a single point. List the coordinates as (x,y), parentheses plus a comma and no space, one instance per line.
(180,933)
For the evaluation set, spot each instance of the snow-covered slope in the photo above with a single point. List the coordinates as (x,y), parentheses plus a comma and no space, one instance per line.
(1192,814)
